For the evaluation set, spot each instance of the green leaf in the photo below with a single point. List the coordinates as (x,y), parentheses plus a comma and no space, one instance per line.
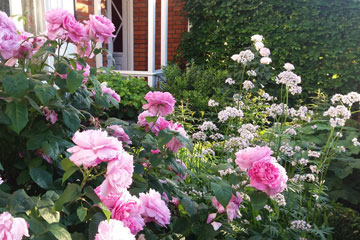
(189,206)
(81,213)
(16,85)
(18,114)
(36,226)
(61,68)
(20,202)
(45,207)
(74,80)
(41,177)
(93,226)
(223,192)
(59,231)
(4,119)
(102,100)
(71,120)
(164,137)
(258,200)
(34,104)
(66,164)
(44,93)
(71,193)
(89,192)
(151,119)
(70,171)
(181,225)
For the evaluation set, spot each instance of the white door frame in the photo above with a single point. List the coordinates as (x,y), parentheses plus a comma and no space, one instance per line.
(128,34)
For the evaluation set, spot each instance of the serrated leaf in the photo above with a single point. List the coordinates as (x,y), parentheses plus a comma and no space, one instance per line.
(223,192)
(18,115)
(71,193)
(44,93)
(16,85)
(74,80)
(71,120)
(20,202)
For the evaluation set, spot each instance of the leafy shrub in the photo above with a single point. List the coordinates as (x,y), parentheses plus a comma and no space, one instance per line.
(345,221)
(320,37)
(131,90)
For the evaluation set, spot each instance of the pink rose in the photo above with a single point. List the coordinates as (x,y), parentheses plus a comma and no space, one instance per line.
(109,199)
(128,209)
(246,157)
(174,144)
(232,209)
(155,209)
(118,175)
(12,228)
(160,124)
(93,147)
(268,176)
(7,22)
(55,19)
(111,92)
(118,132)
(99,28)
(8,43)
(75,29)
(217,205)
(50,115)
(113,230)
(157,151)
(159,103)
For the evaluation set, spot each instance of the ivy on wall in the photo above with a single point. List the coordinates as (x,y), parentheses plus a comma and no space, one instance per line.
(320,37)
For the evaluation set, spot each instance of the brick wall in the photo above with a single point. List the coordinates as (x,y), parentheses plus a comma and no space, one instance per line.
(177,25)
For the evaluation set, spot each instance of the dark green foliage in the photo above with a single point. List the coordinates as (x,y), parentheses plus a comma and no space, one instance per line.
(320,37)
(131,90)
(345,221)
(196,85)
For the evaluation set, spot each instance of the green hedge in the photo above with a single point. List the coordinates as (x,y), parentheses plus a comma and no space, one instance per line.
(320,37)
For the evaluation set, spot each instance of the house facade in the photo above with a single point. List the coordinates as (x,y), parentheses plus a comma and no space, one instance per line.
(148,32)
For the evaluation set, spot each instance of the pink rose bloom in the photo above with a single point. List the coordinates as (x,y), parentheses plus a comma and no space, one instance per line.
(50,115)
(217,205)
(26,47)
(83,48)
(175,201)
(268,176)
(160,124)
(174,144)
(246,157)
(159,103)
(118,175)
(109,200)
(128,209)
(7,22)
(216,225)
(12,228)
(93,147)
(75,29)
(211,217)
(232,209)
(8,43)
(111,92)
(155,209)
(118,132)
(55,19)
(113,230)
(99,28)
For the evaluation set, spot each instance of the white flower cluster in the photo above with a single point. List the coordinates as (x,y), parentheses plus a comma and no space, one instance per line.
(313,154)
(341,149)
(212,103)
(257,38)
(258,218)
(267,207)
(251,73)
(290,131)
(236,143)
(243,57)
(226,172)
(248,85)
(301,161)
(307,177)
(248,132)
(348,99)
(314,127)
(230,81)
(279,109)
(208,125)
(199,136)
(287,150)
(300,224)
(229,112)
(314,169)
(279,198)
(355,142)
(267,97)
(236,99)
(1,181)
(208,151)
(244,196)
(217,136)
(291,80)
(338,115)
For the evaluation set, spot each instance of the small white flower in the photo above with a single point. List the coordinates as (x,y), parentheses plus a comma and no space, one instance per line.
(212,103)
(289,67)
(258,218)
(251,73)
(259,45)
(265,60)
(355,142)
(248,85)
(230,81)
(265,52)
(257,38)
